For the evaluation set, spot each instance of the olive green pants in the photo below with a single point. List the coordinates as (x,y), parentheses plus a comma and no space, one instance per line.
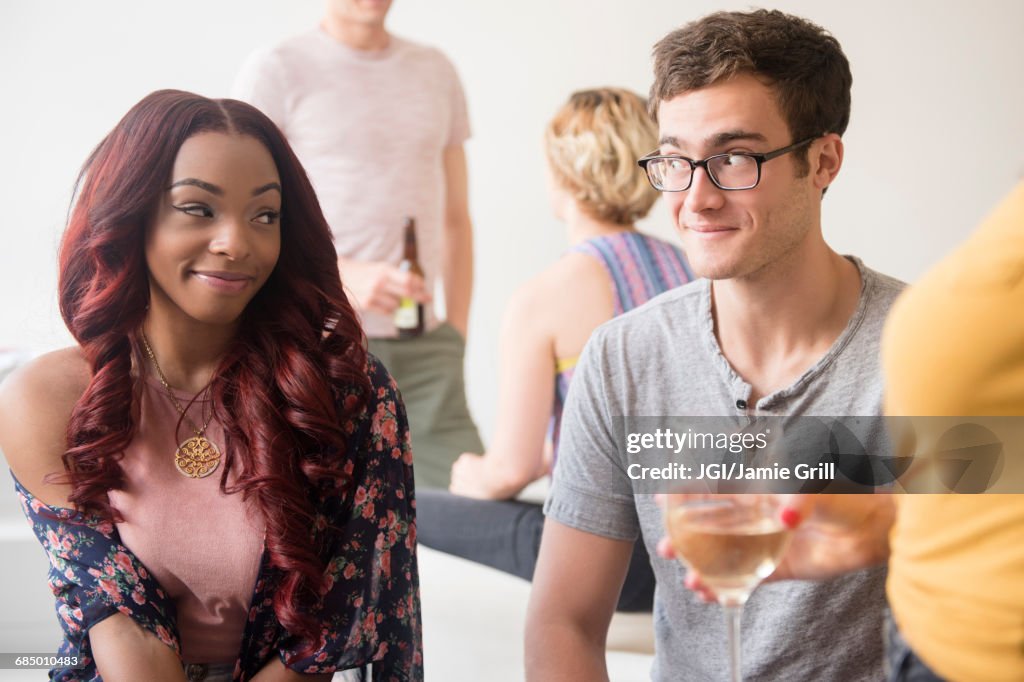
(429,373)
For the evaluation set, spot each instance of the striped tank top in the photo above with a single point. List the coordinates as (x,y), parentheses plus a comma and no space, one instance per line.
(640,267)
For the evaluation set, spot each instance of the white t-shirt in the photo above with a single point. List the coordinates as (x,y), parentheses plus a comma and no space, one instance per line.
(371,129)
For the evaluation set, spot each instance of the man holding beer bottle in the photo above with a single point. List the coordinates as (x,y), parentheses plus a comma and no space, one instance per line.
(379,124)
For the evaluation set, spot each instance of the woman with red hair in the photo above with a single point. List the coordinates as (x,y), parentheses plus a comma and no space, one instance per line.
(220,474)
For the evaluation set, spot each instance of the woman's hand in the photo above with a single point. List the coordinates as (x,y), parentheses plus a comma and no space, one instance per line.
(835,534)
(831,535)
(471,477)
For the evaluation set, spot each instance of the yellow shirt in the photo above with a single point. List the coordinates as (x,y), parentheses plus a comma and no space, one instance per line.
(954,346)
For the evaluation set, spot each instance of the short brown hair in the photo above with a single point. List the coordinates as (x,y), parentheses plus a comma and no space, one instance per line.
(800,61)
(592,145)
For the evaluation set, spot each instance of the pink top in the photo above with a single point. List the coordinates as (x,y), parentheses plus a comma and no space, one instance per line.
(203,546)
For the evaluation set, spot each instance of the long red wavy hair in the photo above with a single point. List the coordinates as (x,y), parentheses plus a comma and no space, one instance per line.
(276,391)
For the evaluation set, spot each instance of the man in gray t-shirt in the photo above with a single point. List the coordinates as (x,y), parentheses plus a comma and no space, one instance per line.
(751,107)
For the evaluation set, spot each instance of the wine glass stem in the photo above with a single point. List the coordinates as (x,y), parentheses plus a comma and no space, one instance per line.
(733,614)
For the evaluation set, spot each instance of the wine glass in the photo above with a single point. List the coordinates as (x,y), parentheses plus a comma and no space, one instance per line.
(734,541)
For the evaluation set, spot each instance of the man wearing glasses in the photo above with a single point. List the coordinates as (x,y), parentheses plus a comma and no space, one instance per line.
(751,108)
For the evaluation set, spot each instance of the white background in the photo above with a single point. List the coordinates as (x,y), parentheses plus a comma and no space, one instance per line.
(935,137)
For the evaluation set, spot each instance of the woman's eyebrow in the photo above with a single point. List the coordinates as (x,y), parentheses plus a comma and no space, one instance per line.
(266,188)
(201,184)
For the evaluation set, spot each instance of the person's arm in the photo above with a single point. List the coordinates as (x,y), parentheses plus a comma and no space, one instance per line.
(591,522)
(569,611)
(457,264)
(126,652)
(35,406)
(36,401)
(526,387)
(559,307)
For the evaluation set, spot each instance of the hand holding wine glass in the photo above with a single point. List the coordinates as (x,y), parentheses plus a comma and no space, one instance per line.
(831,535)
(734,542)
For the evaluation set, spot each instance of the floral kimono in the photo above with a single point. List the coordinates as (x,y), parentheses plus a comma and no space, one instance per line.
(370,614)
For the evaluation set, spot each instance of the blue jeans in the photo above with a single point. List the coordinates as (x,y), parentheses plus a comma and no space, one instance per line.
(902,664)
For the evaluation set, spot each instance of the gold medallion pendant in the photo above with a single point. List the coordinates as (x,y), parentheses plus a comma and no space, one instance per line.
(197,457)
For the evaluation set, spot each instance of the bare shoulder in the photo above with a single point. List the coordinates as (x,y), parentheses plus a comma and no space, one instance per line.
(528,300)
(580,273)
(562,305)
(573,279)
(36,402)
(582,290)
(49,383)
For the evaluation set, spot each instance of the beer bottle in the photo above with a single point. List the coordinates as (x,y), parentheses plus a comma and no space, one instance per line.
(409,316)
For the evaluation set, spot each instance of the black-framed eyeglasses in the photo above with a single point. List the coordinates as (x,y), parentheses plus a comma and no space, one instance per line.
(729,171)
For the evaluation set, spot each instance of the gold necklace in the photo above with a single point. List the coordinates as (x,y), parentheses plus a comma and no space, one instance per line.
(196,457)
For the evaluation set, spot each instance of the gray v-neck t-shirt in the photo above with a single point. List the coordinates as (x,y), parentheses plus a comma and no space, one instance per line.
(664,359)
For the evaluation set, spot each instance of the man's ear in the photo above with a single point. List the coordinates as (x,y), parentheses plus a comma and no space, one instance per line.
(825,158)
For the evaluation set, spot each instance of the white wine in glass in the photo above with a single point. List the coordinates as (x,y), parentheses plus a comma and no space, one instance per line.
(734,542)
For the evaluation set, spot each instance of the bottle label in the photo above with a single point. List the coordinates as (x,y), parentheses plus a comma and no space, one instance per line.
(407,314)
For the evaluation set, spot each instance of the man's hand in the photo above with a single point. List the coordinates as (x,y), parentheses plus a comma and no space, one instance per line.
(377,286)
(831,535)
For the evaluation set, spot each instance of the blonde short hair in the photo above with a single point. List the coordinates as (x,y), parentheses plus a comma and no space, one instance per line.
(592,145)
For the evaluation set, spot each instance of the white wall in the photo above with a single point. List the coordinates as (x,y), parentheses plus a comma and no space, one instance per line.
(934,140)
